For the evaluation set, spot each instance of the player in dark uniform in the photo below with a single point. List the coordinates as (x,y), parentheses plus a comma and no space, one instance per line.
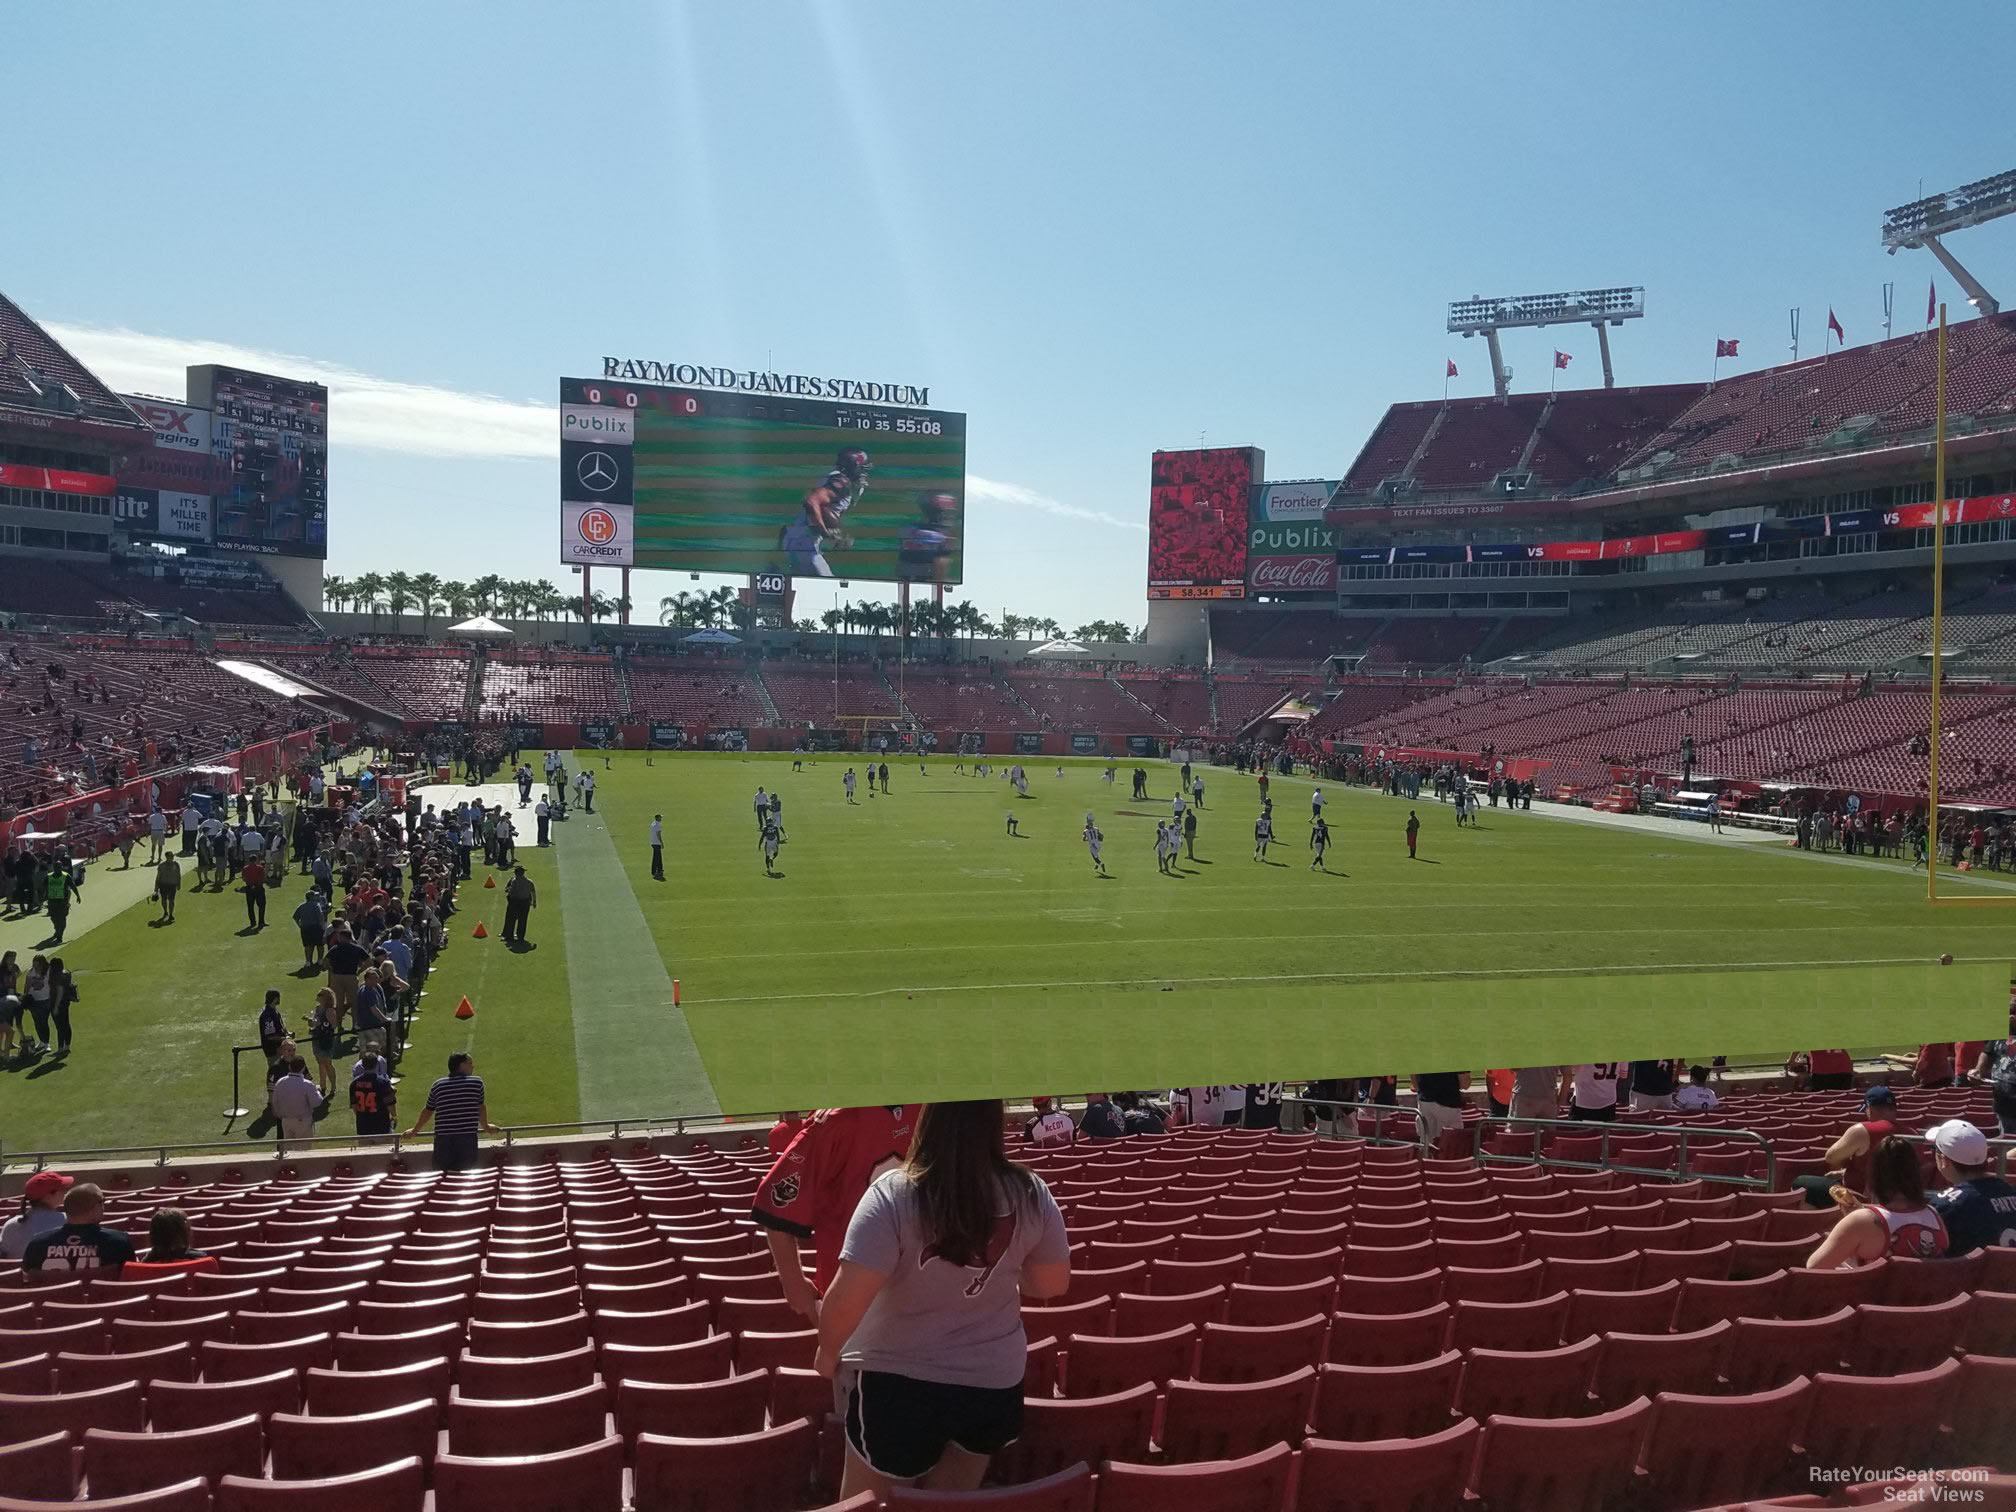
(928,544)
(820,516)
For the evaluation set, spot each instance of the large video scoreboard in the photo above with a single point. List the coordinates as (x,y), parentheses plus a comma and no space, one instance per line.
(696,480)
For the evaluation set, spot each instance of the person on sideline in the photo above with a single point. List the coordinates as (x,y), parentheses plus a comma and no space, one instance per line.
(921,1331)
(1896,1220)
(458,1109)
(658,847)
(294,1100)
(520,898)
(167,883)
(810,1191)
(41,1212)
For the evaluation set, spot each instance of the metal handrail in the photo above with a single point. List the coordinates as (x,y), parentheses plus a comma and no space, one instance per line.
(1478,1128)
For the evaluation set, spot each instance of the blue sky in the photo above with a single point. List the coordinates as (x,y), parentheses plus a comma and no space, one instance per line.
(1097,229)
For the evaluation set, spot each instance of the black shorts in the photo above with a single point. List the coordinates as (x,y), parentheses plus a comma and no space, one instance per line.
(1581,1114)
(901,1427)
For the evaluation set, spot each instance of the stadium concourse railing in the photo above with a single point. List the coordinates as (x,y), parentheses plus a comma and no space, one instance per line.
(1477,1131)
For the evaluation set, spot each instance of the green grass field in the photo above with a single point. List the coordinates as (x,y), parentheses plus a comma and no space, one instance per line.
(911,948)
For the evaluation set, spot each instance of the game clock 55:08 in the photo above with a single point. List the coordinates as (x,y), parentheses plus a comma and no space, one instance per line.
(901,425)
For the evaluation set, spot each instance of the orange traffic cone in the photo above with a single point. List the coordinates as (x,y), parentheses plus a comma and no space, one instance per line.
(479,932)
(465,1009)
(489,881)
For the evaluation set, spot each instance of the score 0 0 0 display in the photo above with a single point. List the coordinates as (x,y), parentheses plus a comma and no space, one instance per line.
(758,486)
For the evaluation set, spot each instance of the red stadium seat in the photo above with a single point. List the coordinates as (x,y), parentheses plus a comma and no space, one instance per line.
(171,1362)
(707,1360)
(243,1362)
(1509,1325)
(1233,1353)
(1092,1315)
(1366,1402)
(1897,1340)
(1991,1324)
(1817,1293)
(1980,1415)
(588,1479)
(1560,1464)
(1256,1483)
(1766,1353)
(121,1464)
(508,1380)
(192,1495)
(1204,1421)
(707,1409)
(1388,1339)
(1389,1294)
(527,1425)
(1136,1314)
(1636,1365)
(1528,1383)
(672,1325)
(1066,1491)
(1514,1283)
(1889,1420)
(312,1448)
(1389,1475)
(39,1469)
(742,1474)
(528,1340)
(202,1404)
(1089,1430)
(333,1393)
(389,1486)
(1258,1306)
(27,1417)
(1095,1366)
(773,1351)
(1647,1310)
(1704,1449)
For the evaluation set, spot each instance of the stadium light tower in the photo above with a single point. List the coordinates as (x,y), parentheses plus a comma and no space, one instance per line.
(1601,308)
(1922,222)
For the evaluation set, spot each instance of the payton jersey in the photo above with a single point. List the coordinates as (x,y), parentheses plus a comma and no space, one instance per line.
(811,1190)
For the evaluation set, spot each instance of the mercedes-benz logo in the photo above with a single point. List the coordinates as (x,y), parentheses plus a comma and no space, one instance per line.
(597,472)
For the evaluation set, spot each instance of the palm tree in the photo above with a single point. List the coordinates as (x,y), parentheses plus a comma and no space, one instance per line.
(486,590)
(551,601)
(333,591)
(455,596)
(398,593)
(367,589)
(427,593)
(1050,627)
(832,620)
(675,609)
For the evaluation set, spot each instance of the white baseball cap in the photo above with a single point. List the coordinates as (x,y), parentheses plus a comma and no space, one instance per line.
(1960,1142)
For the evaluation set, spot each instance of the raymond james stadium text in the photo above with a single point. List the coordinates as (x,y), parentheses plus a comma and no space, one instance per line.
(754,381)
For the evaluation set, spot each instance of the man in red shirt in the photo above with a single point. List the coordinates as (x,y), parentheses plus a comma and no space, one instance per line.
(253,877)
(1848,1158)
(812,1188)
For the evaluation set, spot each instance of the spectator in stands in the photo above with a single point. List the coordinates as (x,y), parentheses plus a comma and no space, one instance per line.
(1978,1207)
(458,1107)
(167,883)
(1934,1066)
(784,1131)
(1438,1106)
(41,1213)
(1847,1159)
(810,1191)
(295,1100)
(1825,1070)
(922,1327)
(1697,1096)
(1051,1125)
(1591,1091)
(1896,1220)
(1102,1120)
(1140,1116)
(1652,1085)
(1536,1092)
(373,1100)
(81,1243)
(169,1240)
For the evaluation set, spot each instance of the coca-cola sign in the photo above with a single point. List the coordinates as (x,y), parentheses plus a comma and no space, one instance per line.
(1291,574)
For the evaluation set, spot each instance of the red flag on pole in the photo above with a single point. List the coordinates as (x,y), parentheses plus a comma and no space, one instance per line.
(1726,348)
(1931,301)
(1449,367)
(1834,325)
(1561,359)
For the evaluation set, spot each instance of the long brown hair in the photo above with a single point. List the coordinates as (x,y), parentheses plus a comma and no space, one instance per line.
(959,1166)
(1895,1179)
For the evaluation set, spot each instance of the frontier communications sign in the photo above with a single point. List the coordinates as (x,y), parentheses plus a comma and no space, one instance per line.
(758,381)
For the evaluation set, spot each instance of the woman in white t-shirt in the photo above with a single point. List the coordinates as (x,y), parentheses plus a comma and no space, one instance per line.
(921,1330)
(1899,1221)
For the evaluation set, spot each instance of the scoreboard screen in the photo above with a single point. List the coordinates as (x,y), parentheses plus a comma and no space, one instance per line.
(695,480)
(1197,509)
(270,437)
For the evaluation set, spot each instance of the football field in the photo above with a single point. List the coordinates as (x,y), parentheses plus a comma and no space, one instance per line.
(910,947)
